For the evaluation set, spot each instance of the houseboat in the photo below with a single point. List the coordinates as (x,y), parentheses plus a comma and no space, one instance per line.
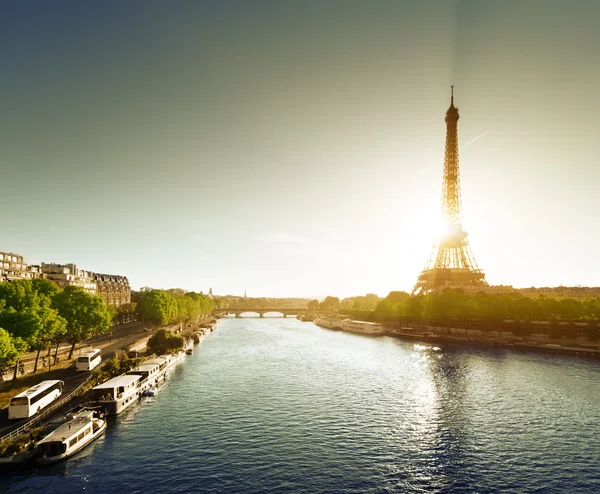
(329,322)
(151,372)
(118,393)
(72,436)
(364,327)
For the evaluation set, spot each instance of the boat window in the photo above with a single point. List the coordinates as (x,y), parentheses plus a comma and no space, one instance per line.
(72,442)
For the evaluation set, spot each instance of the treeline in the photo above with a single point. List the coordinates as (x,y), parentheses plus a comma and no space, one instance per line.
(36,315)
(164,307)
(231,302)
(455,305)
(360,303)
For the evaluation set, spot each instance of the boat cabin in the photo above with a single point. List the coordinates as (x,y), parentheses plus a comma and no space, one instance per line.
(116,388)
(148,370)
(68,436)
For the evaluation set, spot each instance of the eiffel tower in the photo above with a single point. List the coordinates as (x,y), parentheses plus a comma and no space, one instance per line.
(451,263)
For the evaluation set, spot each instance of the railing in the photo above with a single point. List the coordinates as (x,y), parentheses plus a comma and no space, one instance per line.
(46,412)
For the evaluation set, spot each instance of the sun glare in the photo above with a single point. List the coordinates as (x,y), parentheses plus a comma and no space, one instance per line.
(427,223)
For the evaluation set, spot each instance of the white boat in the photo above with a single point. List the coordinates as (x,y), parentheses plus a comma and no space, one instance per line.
(72,436)
(363,327)
(118,393)
(329,322)
(152,371)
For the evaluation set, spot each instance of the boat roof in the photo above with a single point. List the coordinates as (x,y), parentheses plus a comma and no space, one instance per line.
(366,322)
(34,389)
(69,429)
(155,360)
(147,366)
(122,380)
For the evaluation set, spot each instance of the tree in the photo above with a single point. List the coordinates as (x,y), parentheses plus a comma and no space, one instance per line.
(157,306)
(86,315)
(8,351)
(164,341)
(330,303)
(125,313)
(27,315)
(313,305)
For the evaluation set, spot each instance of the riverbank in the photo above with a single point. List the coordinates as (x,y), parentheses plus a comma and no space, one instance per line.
(132,336)
(529,346)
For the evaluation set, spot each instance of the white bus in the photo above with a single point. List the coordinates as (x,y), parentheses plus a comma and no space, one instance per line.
(31,401)
(89,360)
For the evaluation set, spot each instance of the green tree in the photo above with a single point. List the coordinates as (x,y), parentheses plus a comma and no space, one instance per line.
(330,303)
(125,313)
(164,341)
(8,352)
(86,315)
(26,313)
(157,306)
(313,305)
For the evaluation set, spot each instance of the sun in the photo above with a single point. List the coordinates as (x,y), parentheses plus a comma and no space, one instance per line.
(427,224)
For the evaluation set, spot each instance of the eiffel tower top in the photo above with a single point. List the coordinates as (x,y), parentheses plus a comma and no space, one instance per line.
(452,112)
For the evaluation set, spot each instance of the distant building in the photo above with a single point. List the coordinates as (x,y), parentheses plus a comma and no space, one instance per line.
(12,267)
(114,289)
(65,275)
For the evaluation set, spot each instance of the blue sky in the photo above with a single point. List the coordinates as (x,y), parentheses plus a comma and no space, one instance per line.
(296,148)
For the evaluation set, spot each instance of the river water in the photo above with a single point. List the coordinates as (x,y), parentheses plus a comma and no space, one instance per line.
(277,405)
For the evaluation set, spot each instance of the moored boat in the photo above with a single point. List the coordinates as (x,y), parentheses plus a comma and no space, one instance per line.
(364,327)
(80,430)
(329,322)
(118,393)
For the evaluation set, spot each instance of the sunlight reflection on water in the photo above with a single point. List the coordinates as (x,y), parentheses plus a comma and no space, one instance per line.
(276,405)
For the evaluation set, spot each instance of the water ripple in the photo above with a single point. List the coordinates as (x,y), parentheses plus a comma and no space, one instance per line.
(282,406)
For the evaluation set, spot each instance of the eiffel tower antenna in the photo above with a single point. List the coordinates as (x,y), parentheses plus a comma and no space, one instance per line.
(451,263)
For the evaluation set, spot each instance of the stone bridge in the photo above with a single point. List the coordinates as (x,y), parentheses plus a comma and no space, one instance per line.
(259,312)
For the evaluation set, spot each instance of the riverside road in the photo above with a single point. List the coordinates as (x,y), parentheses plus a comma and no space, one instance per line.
(120,339)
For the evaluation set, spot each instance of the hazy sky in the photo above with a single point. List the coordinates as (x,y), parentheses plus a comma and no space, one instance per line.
(295,148)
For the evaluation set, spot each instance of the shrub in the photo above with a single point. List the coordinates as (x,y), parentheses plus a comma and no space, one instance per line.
(164,341)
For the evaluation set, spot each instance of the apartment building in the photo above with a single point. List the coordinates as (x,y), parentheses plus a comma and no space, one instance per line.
(65,275)
(12,267)
(114,289)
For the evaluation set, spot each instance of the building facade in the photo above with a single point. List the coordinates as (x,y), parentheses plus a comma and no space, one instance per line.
(65,275)
(114,289)
(12,267)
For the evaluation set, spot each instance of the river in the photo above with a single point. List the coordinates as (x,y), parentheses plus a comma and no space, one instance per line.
(277,405)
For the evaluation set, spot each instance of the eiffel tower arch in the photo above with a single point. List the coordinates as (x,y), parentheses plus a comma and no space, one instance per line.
(451,264)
